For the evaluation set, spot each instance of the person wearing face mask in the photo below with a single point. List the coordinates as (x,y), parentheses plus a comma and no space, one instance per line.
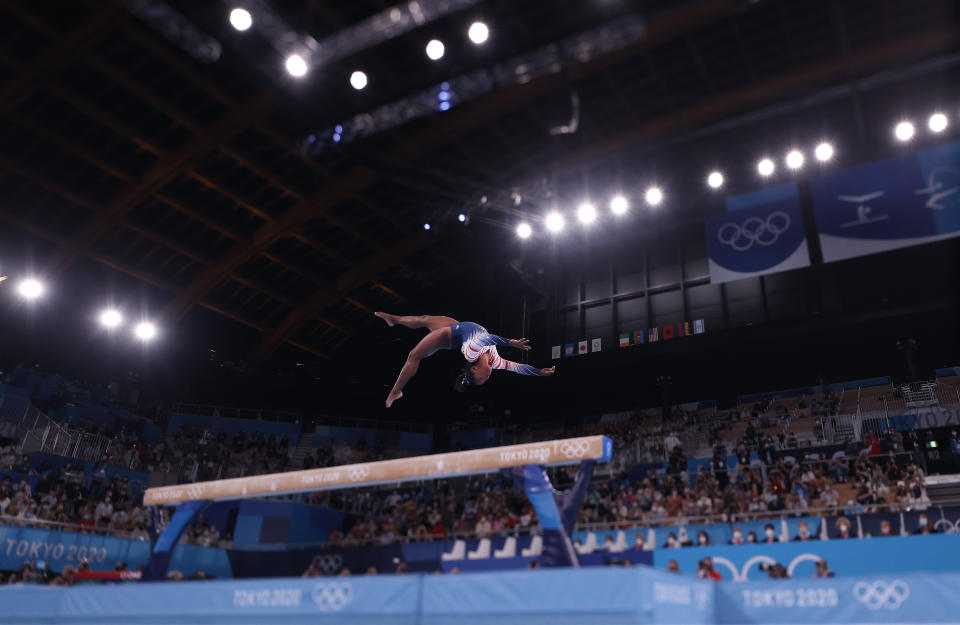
(751,537)
(737,536)
(638,543)
(924,526)
(672,542)
(703,539)
(803,532)
(769,535)
(843,528)
(885,528)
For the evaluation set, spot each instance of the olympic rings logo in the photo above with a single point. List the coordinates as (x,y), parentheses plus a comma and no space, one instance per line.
(194,491)
(741,574)
(881,594)
(949,527)
(741,237)
(358,473)
(328,563)
(332,596)
(575,449)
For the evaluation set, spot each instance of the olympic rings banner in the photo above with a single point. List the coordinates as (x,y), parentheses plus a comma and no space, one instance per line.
(761,232)
(889,204)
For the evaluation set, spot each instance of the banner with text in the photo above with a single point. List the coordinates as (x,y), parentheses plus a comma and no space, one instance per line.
(889,204)
(761,232)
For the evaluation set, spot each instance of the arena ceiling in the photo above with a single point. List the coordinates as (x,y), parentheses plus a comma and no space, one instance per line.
(121,148)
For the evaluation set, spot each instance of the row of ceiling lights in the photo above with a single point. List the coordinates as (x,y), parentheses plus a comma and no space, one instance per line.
(554,222)
(297,66)
(110,318)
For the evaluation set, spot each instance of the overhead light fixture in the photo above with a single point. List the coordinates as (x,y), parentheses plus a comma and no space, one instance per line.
(904,131)
(823,152)
(241,19)
(426,226)
(653,196)
(715,180)
(794,159)
(478,32)
(587,213)
(435,50)
(358,80)
(296,66)
(766,167)
(938,122)
(524,230)
(30,289)
(462,218)
(145,331)
(110,318)
(555,222)
(619,205)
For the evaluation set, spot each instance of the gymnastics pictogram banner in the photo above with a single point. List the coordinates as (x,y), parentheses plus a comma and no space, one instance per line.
(762,232)
(889,204)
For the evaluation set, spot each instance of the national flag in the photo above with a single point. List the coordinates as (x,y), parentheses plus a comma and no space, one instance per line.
(640,337)
(624,340)
(568,350)
(668,332)
(596,345)
(583,347)
(555,352)
(686,328)
(680,329)
(698,326)
(653,335)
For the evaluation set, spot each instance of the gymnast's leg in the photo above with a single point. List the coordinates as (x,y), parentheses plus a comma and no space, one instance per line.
(430,322)
(428,345)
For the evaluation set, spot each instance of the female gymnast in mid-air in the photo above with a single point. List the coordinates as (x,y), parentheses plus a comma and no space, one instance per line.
(478,347)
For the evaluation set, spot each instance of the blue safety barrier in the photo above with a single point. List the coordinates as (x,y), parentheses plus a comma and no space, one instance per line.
(611,596)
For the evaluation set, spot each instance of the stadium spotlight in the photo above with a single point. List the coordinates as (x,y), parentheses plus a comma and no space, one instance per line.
(435,50)
(823,152)
(426,226)
(715,180)
(110,318)
(619,205)
(30,289)
(938,122)
(358,80)
(555,222)
(241,19)
(653,196)
(587,213)
(794,159)
(145,331)
(296,66)
(478,32)
(524,230)
(462,218)
(766,167)
(904,131)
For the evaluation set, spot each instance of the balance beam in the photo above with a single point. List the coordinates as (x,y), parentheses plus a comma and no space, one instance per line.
(547,453)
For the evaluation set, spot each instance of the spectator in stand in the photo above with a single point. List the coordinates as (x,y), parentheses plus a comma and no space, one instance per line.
(705,570)
(703,539)
(638,542)
(843,529)
(803,532)
(924,526)
(737,538)
(672,542)
(751,537)
(885,528)
(769,534)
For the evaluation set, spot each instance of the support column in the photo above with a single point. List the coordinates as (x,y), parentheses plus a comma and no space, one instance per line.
(163,539)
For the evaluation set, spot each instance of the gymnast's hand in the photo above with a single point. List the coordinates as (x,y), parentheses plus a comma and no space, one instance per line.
(548,371)
(523,344)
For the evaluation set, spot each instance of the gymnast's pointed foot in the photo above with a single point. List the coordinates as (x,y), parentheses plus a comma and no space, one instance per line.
(390,322)
(393,396)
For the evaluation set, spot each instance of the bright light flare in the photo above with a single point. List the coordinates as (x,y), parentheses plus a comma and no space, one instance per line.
(524,230)
(30,289)
(555,222)
(358,80)
(296,66)
(435,50)
(145,331)
(766,167)
(823,152)
(478,32)
(110,318)
(587,213)
(715,180)
(938,122)
(241,19)
(619,205)
(795,159)
(426,226)
(653,196)
(904,131)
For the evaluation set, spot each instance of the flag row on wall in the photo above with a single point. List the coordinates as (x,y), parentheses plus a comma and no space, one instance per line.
(639,337)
